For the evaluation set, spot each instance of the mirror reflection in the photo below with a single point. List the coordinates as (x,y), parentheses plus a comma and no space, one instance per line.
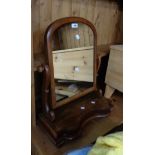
(73,60)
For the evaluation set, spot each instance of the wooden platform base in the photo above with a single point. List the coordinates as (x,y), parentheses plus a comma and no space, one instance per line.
(70,119)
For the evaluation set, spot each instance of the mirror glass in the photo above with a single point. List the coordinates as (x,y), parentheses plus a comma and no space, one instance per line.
(73,60)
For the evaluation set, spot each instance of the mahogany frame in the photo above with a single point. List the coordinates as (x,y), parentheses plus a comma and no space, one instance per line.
(49,34)
(60,123)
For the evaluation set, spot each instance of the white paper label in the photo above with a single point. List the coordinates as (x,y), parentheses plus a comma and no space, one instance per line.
(74,25)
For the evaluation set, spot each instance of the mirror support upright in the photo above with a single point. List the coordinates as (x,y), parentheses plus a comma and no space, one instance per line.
(65,122)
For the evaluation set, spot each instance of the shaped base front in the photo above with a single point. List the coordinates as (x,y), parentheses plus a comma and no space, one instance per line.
(71,118)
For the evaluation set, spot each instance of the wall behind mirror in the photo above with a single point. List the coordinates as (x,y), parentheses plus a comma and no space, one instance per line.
(105,15)
(73,60)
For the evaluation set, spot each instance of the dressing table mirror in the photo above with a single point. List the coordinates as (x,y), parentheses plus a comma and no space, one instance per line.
(69,95)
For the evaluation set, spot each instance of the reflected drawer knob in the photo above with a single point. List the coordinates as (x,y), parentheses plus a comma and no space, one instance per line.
(82,108)
(93,102)
(76,69)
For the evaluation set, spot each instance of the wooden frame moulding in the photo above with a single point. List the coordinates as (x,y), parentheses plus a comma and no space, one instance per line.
(49,34)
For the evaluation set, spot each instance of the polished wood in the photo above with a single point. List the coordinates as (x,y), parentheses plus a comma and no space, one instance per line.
(64,121)
(33,110)
(46,93)
(49,36)
(70,119)
(42,144)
